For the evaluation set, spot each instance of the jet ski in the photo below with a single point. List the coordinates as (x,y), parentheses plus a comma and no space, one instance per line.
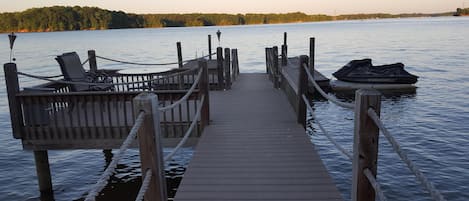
(362,71)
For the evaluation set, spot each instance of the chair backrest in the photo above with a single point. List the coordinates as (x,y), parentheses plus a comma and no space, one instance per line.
(72,70)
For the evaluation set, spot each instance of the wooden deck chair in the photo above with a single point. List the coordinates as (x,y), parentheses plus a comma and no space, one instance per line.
(72,70)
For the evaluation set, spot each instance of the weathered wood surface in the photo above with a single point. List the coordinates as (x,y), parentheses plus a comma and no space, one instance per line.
(151,150)
(253,149)
(365,144)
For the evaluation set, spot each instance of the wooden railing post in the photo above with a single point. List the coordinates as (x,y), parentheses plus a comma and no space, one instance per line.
(302,88)
(312,47)
(311,59)
(220,68)
(365,144)
(13,87)
(178,45)
(204,90)
(284,55)
(267,61)
(285,38)
(92,63)
(284,49)
(227,69)
(275,67)
(210,47)
(235,63)
(151,150)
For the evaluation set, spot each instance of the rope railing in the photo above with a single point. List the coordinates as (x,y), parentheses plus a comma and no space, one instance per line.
(136,63)
(347,153)
(86,61)
(186,96)
(144,187)
(324,94)
(435,193)
(188,132)
(40,76)
(95,83)
(110,170)
(375,184)
(150,64)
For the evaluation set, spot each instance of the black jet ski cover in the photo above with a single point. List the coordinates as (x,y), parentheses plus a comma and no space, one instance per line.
(364,72)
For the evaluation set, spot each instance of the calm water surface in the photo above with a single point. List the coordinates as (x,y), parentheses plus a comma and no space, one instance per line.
(432,125)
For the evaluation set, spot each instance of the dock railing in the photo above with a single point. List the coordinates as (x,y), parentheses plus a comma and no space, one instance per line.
(220,77)
(364,157)
(53,117)
(79,113)
(147,128)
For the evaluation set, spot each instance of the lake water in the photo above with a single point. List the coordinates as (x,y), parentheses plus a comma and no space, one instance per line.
(432,125)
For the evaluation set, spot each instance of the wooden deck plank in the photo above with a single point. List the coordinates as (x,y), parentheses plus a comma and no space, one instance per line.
(253,149)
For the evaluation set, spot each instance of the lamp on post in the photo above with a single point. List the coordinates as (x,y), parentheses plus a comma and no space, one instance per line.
(12,38)
(218,37)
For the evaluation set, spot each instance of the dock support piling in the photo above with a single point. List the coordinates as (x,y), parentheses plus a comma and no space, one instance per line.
(43,172)
(13,87)
(235,63)
(275,68)
(227,69)
(210,47)
(151,150)
(302,89)
(220,68)
(267,61)
(92,63)
(284,55)
(312,47)
(312,44)
(178,45)
(285,39)
(204,90)
(365,144)
(284,50)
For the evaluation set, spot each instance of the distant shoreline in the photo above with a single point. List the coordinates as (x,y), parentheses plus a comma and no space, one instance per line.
(61,18)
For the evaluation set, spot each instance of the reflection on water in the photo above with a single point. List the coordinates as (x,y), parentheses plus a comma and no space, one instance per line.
(125,184)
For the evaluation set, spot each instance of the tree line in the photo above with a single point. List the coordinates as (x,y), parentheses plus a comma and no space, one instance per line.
(462,11)
(65,18)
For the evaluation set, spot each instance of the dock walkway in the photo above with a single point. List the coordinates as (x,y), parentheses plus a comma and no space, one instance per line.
(254,150)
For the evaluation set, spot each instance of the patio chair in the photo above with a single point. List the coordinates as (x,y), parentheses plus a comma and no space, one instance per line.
(72,70)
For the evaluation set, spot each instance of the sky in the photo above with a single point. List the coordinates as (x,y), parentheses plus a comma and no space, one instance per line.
(330,7)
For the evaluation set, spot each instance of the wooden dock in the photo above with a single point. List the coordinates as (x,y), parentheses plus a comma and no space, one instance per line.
(254,149)
(253,145)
